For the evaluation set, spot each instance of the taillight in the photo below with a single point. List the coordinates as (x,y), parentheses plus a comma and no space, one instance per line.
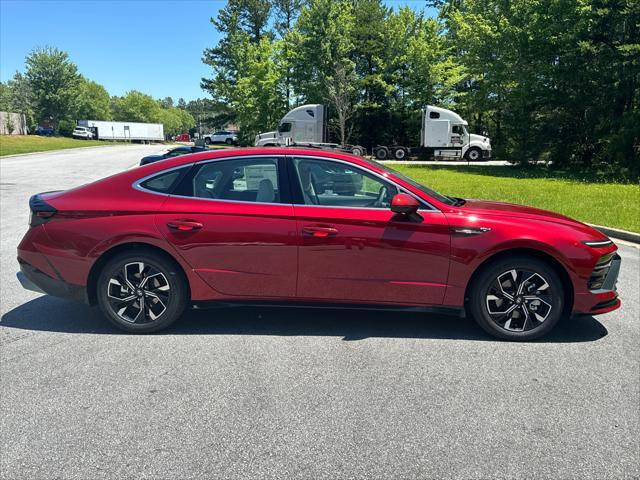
(41,211)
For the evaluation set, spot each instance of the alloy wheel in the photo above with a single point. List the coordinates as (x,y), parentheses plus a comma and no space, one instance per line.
(519,300)
(138,293)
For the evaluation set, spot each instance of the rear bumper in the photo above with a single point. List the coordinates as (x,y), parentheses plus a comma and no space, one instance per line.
(33,279)
(486,154)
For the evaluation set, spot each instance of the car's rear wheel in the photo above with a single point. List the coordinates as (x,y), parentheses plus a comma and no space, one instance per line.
(517,298)
(141,292)
(207,141)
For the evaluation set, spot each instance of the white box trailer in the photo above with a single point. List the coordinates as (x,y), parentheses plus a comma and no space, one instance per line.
(106,130)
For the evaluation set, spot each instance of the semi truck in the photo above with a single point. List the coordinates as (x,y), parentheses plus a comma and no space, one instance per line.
(444,135)
(106,130)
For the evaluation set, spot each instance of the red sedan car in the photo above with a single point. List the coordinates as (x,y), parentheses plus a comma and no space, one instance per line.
(313,227)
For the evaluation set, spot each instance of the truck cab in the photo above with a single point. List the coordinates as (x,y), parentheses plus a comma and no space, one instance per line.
(302,125)
(447,133)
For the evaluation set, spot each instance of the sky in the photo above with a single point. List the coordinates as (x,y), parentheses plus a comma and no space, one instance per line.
(154,46)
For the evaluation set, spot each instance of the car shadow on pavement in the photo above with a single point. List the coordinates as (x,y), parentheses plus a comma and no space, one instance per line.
(56,315)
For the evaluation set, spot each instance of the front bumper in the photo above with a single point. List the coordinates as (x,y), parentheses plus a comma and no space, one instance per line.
(604,299)
(33,279)
(486,154)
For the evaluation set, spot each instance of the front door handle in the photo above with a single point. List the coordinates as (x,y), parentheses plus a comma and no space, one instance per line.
(319,231)
(184,225)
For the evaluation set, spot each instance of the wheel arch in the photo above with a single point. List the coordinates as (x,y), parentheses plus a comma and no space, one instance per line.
(558,267)
(98,265)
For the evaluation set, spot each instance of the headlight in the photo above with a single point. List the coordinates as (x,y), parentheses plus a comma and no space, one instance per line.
(597,243)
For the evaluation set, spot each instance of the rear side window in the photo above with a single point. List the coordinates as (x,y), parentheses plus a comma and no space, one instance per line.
(164,182)
(241,180)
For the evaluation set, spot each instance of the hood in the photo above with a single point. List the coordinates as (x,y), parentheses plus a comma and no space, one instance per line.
(267,135)
(514,210)
(489,208)
(474,137)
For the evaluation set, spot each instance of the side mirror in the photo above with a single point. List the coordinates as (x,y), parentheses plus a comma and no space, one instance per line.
(404,204)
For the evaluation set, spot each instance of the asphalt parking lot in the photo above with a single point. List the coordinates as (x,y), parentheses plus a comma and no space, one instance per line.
(297,393)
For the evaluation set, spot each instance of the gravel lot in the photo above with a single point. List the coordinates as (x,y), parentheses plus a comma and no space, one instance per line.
(295,393)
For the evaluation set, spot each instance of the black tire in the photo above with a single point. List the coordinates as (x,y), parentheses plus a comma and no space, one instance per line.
(166,304)
(357,150)
(381,153)
(534,312)
(400,153)
(474,154)
(228,141)
(207,141)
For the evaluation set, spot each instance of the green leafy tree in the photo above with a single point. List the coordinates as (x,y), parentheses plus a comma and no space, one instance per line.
(166,102)
(53,81)
(93,101)
(135,107)
(321,40)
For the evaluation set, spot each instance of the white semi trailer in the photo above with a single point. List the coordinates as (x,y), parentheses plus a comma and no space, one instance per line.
(444,135)
(105,130)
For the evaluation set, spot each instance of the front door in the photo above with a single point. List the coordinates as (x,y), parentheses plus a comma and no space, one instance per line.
(353,248)
(232,222)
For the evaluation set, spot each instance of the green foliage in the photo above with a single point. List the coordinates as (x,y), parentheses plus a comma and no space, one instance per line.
(52,91)
(93,101)
(54,83)
(552,80)
(556,81)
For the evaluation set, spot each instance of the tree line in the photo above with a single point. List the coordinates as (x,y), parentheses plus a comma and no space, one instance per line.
(51,91)
(546,80)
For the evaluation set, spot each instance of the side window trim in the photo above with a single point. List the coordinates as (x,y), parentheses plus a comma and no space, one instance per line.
(298,198)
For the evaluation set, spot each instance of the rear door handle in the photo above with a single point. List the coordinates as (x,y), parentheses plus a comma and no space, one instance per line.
(184,225)
(319,231)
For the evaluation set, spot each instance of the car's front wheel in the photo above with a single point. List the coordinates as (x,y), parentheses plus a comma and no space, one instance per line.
(228,141)
(141,291)
(517,298)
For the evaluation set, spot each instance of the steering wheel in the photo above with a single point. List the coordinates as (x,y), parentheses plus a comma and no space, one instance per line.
(382,195)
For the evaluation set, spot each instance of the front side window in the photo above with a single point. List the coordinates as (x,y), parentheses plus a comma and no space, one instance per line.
(284,127)
(336,184)
(242,180)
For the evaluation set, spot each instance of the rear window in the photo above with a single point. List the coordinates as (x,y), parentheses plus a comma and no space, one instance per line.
(164,182)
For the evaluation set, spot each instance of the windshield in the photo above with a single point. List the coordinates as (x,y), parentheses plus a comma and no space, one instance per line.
(432,193)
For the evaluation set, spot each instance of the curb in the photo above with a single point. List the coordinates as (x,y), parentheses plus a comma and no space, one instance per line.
(617,233)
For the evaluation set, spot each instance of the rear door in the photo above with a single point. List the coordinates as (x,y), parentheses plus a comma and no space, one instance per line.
(353,248)
(232,221)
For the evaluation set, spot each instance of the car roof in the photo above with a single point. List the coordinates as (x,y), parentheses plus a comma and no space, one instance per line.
(250,151)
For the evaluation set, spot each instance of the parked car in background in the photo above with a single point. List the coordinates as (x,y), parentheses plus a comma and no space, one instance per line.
(222,136)
(247,225)
(183,137)
(43,131)
(82,132)
(174,152)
